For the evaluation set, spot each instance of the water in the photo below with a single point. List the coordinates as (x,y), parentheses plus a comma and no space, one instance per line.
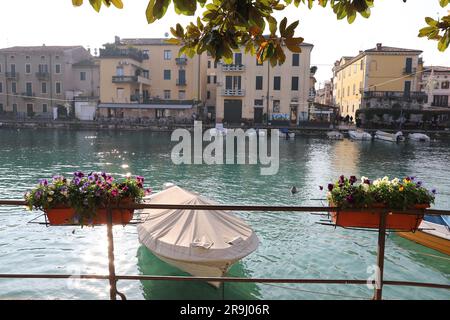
(292,244)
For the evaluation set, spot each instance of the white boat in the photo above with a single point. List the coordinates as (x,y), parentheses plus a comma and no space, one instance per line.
(419,137)
(201,242)
(359,135)
(392,137)
(286,134)
(335,135)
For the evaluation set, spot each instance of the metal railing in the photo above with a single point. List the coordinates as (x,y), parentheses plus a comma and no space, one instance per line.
(395,94)
(233,67)
(113,277)
(124,79)
(12,75)
(233,92)
(181,61)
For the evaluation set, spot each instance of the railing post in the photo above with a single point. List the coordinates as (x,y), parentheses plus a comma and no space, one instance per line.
(112,269)
(380,256)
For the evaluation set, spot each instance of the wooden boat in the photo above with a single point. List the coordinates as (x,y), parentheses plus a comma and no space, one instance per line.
(335,135)
(419,137)
(392,137)
(359,135)
(434,233)
(204,243)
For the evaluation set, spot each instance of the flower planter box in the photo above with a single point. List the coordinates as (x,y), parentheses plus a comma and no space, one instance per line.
(371,219)
(66,216)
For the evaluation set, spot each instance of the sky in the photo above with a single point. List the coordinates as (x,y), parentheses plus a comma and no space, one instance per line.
(56,22)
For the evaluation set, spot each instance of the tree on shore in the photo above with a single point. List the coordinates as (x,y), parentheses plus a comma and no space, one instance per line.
(226,25)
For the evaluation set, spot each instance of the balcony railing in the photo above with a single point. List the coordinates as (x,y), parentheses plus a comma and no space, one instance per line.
(233,67)
(181,82)
(28,95)
(233,92)
(395,95)
(12,75)
(43,75)
(124,79)
(409,70)
(181,61)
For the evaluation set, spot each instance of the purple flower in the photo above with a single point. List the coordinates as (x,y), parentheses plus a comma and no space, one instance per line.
(57,178)
(140,179)
(419,184)
(330,187)
(350,199)
(37,195)
(148,191)
(352,179)
(433,191)
(43,182)
(367,181)
(321,188)
(76,181)
(91,178)
(342,179)
(78,174)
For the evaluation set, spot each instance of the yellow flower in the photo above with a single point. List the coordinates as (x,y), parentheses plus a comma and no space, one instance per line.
(401,188)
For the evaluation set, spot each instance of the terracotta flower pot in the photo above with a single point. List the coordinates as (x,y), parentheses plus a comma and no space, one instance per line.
(371,219)
(63,215)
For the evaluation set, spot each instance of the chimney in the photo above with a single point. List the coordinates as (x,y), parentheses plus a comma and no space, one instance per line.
(379,45)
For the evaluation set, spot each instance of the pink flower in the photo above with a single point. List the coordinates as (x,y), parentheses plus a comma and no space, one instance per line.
(114,193)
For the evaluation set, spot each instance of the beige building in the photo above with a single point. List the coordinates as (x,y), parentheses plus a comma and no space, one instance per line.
(145,79)
(436,85)
(324,95)
(250,92)
(43,81)
(382,77)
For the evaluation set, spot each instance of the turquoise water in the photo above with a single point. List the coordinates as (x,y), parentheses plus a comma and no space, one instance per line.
(292,244)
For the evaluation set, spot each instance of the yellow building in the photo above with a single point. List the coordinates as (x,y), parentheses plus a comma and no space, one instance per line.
(145,78)
(382,77)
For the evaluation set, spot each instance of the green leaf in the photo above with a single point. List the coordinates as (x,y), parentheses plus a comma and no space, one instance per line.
(185,7)
(160,8)
(272,24)
(77,3)
(431,22)
(96,4)
(444,3)
(351,17)
(149,12)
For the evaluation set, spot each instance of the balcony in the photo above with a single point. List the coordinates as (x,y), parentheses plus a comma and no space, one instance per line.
(412,95)
(28,95)
(12,75)
(233,67)
(181,61)
(43,75)
(124,79)
(233,92)
(409,70)
(181,82)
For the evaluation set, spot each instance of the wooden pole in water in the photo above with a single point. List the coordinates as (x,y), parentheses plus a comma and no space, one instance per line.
(380,257)
(112,269)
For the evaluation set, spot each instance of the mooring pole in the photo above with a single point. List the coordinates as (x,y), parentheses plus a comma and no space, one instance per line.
(112,269)
(380,256)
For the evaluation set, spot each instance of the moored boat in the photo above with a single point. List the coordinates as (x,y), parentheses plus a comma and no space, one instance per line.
(434,233)
(419,137)
(201,242)
(392,137)
(335,135)
(359,135)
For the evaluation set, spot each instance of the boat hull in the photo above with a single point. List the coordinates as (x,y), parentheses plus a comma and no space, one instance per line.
(201,269)
(428,239)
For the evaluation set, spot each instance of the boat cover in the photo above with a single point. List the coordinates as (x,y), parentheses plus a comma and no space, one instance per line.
(194,235)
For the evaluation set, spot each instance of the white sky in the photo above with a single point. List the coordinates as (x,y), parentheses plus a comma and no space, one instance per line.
(56,22)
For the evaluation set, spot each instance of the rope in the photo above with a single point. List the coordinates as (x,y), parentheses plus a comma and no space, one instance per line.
(317,292)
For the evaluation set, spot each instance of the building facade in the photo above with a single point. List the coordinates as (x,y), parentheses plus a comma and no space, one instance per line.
(42,81)
(382,77)
(436,84)
(247,91)
(145,79)
(324,95)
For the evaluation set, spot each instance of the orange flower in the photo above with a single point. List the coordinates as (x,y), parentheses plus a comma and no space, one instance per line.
(401,188)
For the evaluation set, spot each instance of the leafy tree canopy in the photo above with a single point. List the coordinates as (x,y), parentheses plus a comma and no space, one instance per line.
(225,25)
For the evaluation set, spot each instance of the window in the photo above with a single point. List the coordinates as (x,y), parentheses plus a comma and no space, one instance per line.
(408,65)
(58,87)
(259,82)
(353,108)
(354,89)
(160,113)
(445,85)
(0,68)
(215,79)
(28,68)
(167,54)
(354,68)
(166,94)
(181,94)
(57,68)
(44,87)
(13,87)
(294,84)
(13,68)
(238,58)
(295,59)
(209,64)
(276,83)
(120,93)
(119,71)
(276,106)
(82,76)
(348,91)
(361,65)
(233,82)
(166,74)
(29,88)
(440,101)
(1,107)
(14,107)
(208,79)
(1,87)
(44,108)
(258,102)
(208,94)
(43,68)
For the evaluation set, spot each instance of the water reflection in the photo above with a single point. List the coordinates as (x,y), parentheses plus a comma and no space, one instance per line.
(149,264)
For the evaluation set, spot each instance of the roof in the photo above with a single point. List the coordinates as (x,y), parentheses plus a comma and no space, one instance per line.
(436,69)
(146,105)
(392,49)
(38,49)
(86,63)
